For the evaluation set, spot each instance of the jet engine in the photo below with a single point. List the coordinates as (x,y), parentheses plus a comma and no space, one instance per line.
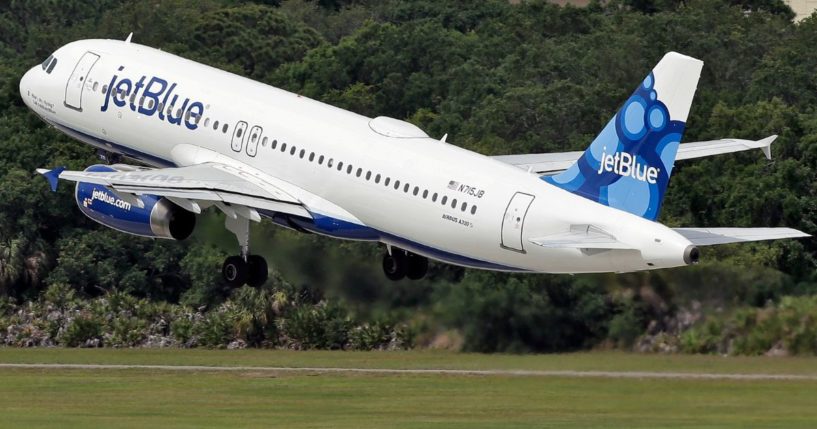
(145,215)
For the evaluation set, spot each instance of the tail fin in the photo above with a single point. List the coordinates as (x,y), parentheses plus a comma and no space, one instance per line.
(629,164)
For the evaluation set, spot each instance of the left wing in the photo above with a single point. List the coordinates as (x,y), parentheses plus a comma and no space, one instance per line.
(553,163)
(211,183)
(712,236)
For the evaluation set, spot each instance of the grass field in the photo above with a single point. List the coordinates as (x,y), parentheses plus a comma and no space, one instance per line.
(255,398)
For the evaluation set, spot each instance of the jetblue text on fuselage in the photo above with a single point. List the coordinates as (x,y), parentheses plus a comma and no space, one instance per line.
(625,164)
(157,90)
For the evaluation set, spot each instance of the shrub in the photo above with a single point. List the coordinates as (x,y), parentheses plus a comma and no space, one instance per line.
(83,331)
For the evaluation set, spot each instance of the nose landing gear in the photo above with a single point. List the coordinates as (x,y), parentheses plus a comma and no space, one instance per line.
(244,268)
(398,263)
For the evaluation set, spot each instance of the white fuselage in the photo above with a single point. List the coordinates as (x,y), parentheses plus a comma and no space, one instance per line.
(498,207)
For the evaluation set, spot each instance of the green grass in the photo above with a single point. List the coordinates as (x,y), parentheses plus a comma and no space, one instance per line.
(140,398)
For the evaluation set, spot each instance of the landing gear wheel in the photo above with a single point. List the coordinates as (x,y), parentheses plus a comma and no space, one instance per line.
(257,270)
(394,265)
(416,266)
(234,271)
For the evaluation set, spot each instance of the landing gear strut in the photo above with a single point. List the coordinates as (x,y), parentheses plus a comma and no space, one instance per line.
(244,268)
(398,263)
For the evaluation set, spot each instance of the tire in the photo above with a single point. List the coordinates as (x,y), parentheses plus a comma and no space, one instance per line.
(257,270)
(416,266)
(394,265)
(234,271)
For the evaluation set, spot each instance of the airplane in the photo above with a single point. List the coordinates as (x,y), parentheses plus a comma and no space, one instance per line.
(203,137)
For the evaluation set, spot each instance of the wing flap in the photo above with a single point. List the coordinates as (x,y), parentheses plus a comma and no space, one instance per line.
(712,236)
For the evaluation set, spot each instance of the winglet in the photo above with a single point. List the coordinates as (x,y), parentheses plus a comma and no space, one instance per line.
(53,176)
(766,145)
(129,37)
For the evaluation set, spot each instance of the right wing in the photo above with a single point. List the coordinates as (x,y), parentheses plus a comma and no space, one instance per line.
(712,236)
(553,163)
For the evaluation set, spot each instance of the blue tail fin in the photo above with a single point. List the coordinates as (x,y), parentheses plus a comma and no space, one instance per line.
(628,165)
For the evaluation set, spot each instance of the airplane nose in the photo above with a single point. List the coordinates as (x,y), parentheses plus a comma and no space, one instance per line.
(25,86)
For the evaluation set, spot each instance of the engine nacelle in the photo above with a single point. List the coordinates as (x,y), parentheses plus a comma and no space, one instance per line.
(146,215)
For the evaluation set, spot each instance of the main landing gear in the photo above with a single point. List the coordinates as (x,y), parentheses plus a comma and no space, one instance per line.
(398,263)
(244,268)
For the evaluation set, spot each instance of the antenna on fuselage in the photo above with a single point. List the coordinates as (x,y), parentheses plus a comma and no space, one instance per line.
(445,137)
(127,40)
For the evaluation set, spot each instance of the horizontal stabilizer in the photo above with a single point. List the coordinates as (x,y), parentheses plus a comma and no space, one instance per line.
(717,147)
(554,163)
(580,237)
(711,236)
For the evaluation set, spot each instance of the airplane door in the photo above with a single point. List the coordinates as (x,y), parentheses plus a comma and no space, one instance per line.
(514,220)
(255,137)
(238,136)
(76,83)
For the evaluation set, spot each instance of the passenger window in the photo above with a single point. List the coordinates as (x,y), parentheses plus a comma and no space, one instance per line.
(215,125)
(187,117)
(464,205)
(340,165)
(406,188)
(396,184)
(434,197)
(105,89)
(96,86)
(311,156)
(292,151)
(161,106)
(207,122)
(274,143)
(359,171)
(386,183)
(320,160)
(264,142)
(425,193)
(368,175)
(239,132)
(473,209)
(330,162)
(444,200)
(303,152)
(377,179)
(454,203)
(416,190)
(349,169)
(283,147)
(224,128)
(133,97)
(142,100)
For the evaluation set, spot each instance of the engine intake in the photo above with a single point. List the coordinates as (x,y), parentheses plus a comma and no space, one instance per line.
(147,215)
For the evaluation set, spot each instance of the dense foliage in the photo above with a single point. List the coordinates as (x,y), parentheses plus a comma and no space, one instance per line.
(498,77)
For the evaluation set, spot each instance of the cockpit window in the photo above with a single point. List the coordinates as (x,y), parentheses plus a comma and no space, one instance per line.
(49,63)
